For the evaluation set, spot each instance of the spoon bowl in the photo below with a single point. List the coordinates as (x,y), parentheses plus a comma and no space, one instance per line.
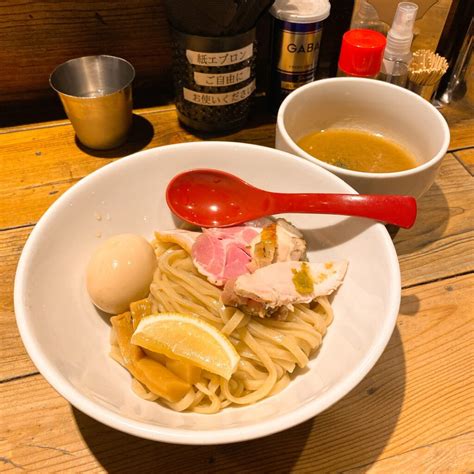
(213,198)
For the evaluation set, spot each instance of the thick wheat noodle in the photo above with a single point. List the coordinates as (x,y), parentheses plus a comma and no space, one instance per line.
(297,325)
(175,294)
(288,366)
(280,385)
(306,347)
(288,342)
(302,335)
(269,349)
(188,283)
(175,301)
(253,385)
(236,386)
(162,298)
(329,313)
(233,323)
(316,319)
(210,391)
(250,356)
(280,366)
(250,369)
(268,384)
(276,352)
(192,279)
(278,338)
(184,403)
(207,300)
(198,398)
(185,287)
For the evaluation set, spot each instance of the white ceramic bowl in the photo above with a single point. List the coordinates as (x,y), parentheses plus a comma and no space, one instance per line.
(68,339)
(378,107)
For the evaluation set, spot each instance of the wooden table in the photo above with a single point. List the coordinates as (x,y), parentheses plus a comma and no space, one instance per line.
(414,410)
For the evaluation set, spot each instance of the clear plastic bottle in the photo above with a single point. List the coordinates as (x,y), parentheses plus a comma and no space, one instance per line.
(367,18)
(397,55)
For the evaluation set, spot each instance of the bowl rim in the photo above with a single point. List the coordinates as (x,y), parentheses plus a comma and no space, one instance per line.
(177,435)
(362,174)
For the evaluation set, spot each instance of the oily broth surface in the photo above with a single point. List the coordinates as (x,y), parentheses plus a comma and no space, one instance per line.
(357,150)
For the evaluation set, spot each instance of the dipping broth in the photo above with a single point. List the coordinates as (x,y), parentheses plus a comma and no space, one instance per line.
(357,150)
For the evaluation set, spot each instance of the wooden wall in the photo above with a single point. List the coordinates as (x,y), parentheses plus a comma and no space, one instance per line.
(38,35)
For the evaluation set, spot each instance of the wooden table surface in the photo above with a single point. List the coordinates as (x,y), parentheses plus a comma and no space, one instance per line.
(412,413)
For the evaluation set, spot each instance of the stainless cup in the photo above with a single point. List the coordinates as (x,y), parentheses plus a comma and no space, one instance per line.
(96,94)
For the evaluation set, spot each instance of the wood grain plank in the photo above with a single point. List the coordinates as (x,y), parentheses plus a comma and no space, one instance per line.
(452,455)
(38,162)
(442,239)
(419,393)
(466,157)
(460,119)
(45,154)
(15,361)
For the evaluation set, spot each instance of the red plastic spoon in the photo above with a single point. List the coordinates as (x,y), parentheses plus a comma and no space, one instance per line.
(212,198)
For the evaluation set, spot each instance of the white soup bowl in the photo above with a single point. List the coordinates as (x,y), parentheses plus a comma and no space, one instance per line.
(374,106)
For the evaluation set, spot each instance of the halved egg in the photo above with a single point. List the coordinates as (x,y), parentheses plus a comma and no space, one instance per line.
(120,271)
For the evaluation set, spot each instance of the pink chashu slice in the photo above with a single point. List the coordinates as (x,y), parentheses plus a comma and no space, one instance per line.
(222,254)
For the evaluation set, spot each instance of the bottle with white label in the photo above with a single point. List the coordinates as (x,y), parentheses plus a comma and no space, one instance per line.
(296,36)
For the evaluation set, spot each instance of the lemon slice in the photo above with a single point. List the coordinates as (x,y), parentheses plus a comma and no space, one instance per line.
(187,338)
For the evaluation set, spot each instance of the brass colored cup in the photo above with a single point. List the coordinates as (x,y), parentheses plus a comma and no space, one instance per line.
(96,94)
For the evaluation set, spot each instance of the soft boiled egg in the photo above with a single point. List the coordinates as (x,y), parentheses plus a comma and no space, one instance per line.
(119,272)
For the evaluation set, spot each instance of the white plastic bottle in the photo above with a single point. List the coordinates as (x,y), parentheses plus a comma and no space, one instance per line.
(397,55)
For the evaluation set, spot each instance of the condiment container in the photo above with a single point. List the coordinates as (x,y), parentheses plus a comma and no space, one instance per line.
(361,53)
(397,54)
(214,79)
(296,36)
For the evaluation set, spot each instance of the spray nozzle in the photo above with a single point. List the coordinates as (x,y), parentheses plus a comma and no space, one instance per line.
(400,35)
(405,16)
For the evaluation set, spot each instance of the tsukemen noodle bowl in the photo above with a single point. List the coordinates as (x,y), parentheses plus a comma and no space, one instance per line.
(74,343)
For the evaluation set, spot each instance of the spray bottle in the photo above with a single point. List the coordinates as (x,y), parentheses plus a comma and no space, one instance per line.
(397,55)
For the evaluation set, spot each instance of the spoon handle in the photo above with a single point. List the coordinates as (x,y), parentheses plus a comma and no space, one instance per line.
(391,209)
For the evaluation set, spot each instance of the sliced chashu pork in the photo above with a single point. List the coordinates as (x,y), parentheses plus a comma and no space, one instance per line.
(279,241)
(242,234)
(290,242)
(223,254)
(289,283)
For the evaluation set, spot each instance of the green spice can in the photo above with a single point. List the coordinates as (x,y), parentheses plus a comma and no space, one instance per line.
(214,79)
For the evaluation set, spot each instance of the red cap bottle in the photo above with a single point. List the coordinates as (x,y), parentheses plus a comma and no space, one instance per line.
(361,53)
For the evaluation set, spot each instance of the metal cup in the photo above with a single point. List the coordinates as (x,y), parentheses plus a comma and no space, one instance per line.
(96,94)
